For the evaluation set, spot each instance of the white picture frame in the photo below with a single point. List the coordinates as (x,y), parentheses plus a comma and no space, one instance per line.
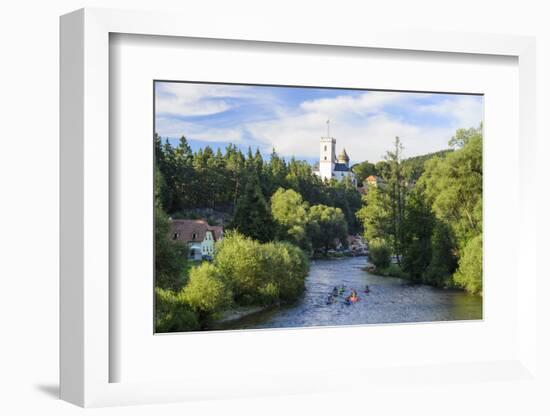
(85,354)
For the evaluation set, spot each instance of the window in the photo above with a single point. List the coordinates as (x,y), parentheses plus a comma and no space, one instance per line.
(325,148)
(175,236)
(194,236)
(325,158)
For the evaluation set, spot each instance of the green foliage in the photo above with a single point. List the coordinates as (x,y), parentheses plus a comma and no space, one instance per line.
(379,253)
(172,313)
(375,214)
(252,215)
(463,136)
(430,209)
(260,273)
(170,256)
(418,224)
(444,257)
(413,167)
(363,170)
(327,226)
(290,214)
(205,292)
(470,269)
(454,186)
(220,180)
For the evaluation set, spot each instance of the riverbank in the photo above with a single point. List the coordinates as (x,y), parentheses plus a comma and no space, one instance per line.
(394,271)
(239,312)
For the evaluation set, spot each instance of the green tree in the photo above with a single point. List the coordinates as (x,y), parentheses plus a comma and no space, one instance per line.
(170,256)
(363,170)
(418,226)
(379,253)
(470,270)
(290,215)
(375,214)
(258,273)
(454,186)
(444,259)
(252,214)
(206,293)
(463,136)
(172,313)
(327,227)
(395,189)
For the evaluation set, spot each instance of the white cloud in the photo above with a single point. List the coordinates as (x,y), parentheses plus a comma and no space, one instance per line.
(169,127)
(365,123)
(177,98)
(465,110)
(364,127)
(366,140)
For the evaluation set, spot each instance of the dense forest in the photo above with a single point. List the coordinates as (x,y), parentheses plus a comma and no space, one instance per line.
(422,221)
(432,226)
(275,213)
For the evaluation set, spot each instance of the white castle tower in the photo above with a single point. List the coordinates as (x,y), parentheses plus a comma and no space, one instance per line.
(331,167)
(327,160)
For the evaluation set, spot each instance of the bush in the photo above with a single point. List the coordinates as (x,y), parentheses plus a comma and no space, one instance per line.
(470,266)
(379,253)
(172,313)
(258,273)
(287,267)
(206,293)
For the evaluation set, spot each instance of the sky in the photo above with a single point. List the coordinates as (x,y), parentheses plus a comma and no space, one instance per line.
(292,120)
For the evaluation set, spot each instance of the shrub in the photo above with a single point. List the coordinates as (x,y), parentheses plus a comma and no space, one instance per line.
(379,253)
(172,313)
(238,260)
(470,266)
(205,292)
(260,273)
(287,267)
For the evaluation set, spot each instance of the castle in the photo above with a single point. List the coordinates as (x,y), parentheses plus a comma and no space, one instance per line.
(330,166)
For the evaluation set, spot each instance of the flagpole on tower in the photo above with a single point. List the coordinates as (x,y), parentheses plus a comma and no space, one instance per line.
(328,128)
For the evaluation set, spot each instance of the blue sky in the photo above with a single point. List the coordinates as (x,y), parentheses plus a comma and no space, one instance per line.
(292,120)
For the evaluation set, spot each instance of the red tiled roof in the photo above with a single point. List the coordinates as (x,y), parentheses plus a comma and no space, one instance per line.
(194,230)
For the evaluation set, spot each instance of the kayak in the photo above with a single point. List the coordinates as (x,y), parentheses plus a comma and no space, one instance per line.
(349,301)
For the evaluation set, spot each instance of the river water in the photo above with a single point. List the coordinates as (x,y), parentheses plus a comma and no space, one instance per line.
(391,300)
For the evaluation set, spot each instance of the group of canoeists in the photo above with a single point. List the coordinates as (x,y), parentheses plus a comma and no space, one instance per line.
(348,300)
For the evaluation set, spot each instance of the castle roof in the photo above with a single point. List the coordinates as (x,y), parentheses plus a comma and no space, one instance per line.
(343,155)
(341,167)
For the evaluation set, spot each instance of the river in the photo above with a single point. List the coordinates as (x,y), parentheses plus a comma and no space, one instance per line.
(390,300)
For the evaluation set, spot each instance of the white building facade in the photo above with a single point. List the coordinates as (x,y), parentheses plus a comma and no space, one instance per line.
(332,166)
(198,235)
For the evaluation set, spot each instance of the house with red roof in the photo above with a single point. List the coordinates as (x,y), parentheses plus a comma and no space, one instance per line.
(199,236)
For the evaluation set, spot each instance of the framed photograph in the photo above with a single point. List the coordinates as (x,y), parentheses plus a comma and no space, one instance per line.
(240,213)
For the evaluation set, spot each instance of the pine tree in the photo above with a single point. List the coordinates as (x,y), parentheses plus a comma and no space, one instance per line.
(252,213)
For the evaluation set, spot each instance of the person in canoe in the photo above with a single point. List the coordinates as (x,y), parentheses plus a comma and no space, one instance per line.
(352,298)
(330,300)
(367,290)
(342,289)
(335,291)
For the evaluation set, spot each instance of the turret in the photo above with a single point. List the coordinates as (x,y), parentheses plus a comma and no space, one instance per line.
(343,158)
